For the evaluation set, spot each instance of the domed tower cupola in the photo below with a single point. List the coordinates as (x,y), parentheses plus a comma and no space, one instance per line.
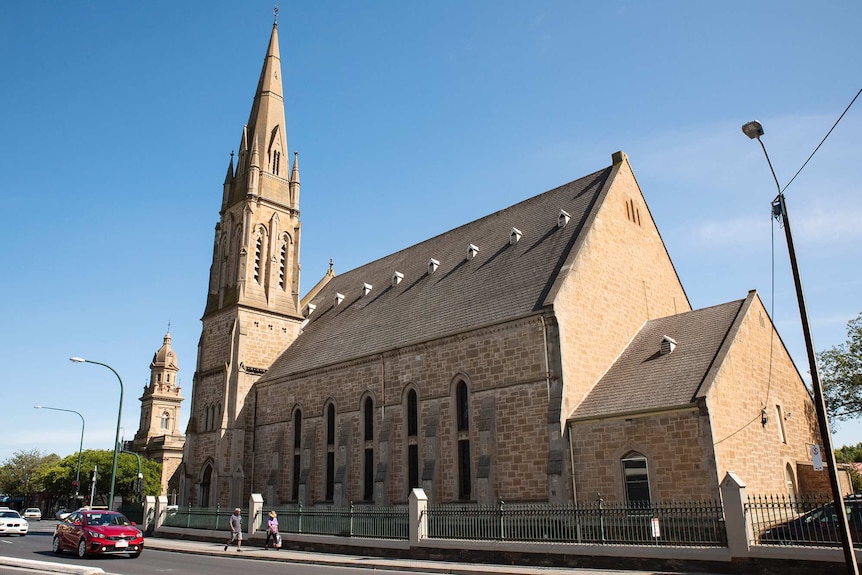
(164,368)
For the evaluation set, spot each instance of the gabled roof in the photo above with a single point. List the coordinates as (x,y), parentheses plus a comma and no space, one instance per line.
(502,281)
(643,379)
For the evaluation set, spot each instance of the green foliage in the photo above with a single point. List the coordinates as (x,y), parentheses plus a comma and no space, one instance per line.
(841,375)
(60,476)
(24,472)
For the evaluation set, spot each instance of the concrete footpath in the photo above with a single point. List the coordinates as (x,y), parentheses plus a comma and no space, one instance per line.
(330,559)
(375,563)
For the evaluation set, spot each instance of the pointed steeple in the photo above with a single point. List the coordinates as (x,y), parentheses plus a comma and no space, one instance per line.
(266,121)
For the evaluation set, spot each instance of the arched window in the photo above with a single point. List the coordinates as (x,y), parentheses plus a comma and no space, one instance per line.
(258,248)
(166,421)
(276,160)
(462,401)
(282,263)
(330,452)
(412,439)
(368,436)
(790,481)
(206,479)
(297,453)
(636,478)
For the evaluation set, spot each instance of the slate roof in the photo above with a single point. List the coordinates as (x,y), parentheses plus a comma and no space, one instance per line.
(642,379)
(501,282)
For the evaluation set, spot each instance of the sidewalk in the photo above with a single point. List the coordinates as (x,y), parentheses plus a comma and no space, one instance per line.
(377,563)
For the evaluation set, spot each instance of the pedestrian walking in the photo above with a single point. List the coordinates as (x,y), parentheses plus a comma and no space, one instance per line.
(272,532)
(235,524)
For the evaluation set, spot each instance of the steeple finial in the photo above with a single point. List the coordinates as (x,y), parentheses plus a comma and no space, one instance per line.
(275,15)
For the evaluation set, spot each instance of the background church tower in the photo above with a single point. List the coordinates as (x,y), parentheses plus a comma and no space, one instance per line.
(158,437)
(252,312)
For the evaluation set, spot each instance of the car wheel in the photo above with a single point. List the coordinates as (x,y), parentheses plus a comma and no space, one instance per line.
(55,546)
(82,548)
(136,554)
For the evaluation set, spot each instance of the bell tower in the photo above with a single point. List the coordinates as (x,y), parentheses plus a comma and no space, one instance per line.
(159,437)
(252,308)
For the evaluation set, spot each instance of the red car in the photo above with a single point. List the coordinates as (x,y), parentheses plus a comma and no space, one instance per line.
(91,532)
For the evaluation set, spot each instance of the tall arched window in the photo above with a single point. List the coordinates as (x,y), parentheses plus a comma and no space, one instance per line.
(206,479)
(297,453)
(412,439)
(258,256)
(282,263)
(368,436)
(462,402)
(636,478)
(330,452)
(166,421)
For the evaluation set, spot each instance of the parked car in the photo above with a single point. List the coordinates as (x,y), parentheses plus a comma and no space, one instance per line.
(61,514)
(92,532)
(33,513)
(11,523)
(818,526)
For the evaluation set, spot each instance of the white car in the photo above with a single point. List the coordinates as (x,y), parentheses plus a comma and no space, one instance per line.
(13,524)
(33,513)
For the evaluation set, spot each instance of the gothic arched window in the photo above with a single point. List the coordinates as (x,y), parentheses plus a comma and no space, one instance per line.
(462,401)
(412,439)
(636,477)
(368,436)
(330,452)
(297,453)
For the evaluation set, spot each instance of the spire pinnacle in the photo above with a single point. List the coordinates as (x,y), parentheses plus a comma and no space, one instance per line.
(275,15)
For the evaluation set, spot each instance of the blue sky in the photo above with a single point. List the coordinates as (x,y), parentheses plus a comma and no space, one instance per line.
(411,118)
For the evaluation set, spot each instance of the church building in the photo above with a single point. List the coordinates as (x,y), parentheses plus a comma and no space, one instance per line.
(545,352)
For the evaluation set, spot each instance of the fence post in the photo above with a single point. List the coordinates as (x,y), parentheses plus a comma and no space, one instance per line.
(500,516)
(736,521)
(149,504)
(160,506)
(601,517)
(255,507)
(350,527)
(189,516)
(418,514)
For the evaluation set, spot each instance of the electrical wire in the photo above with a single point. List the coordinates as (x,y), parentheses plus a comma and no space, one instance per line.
(823,140)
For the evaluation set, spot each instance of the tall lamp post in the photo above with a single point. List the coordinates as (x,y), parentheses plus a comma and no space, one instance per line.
(80,445)
(119,416)
(779,210)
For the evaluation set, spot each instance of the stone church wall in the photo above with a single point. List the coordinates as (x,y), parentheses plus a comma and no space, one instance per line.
(621,278)
(758,374)
(503,367)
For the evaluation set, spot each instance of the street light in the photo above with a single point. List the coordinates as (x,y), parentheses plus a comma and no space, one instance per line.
(119,416)
(779,210)
(80,445)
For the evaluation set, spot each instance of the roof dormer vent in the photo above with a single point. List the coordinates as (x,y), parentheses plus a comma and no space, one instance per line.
(563,218)
(339,297)
(310,309)
(396,278)
(668,344)
(472,251)
(366,289)
(515,236)
(433,265)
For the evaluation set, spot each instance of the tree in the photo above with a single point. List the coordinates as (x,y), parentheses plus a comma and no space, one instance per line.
(59,477)
(23,473)
(841,375)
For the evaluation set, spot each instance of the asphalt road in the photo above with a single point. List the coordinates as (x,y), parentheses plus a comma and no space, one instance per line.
(37,547)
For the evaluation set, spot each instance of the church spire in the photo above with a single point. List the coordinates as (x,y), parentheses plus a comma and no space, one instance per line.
(266,121)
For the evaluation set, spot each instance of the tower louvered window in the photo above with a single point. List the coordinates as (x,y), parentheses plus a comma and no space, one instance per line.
(281,264)
(276,160)
(257,257)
